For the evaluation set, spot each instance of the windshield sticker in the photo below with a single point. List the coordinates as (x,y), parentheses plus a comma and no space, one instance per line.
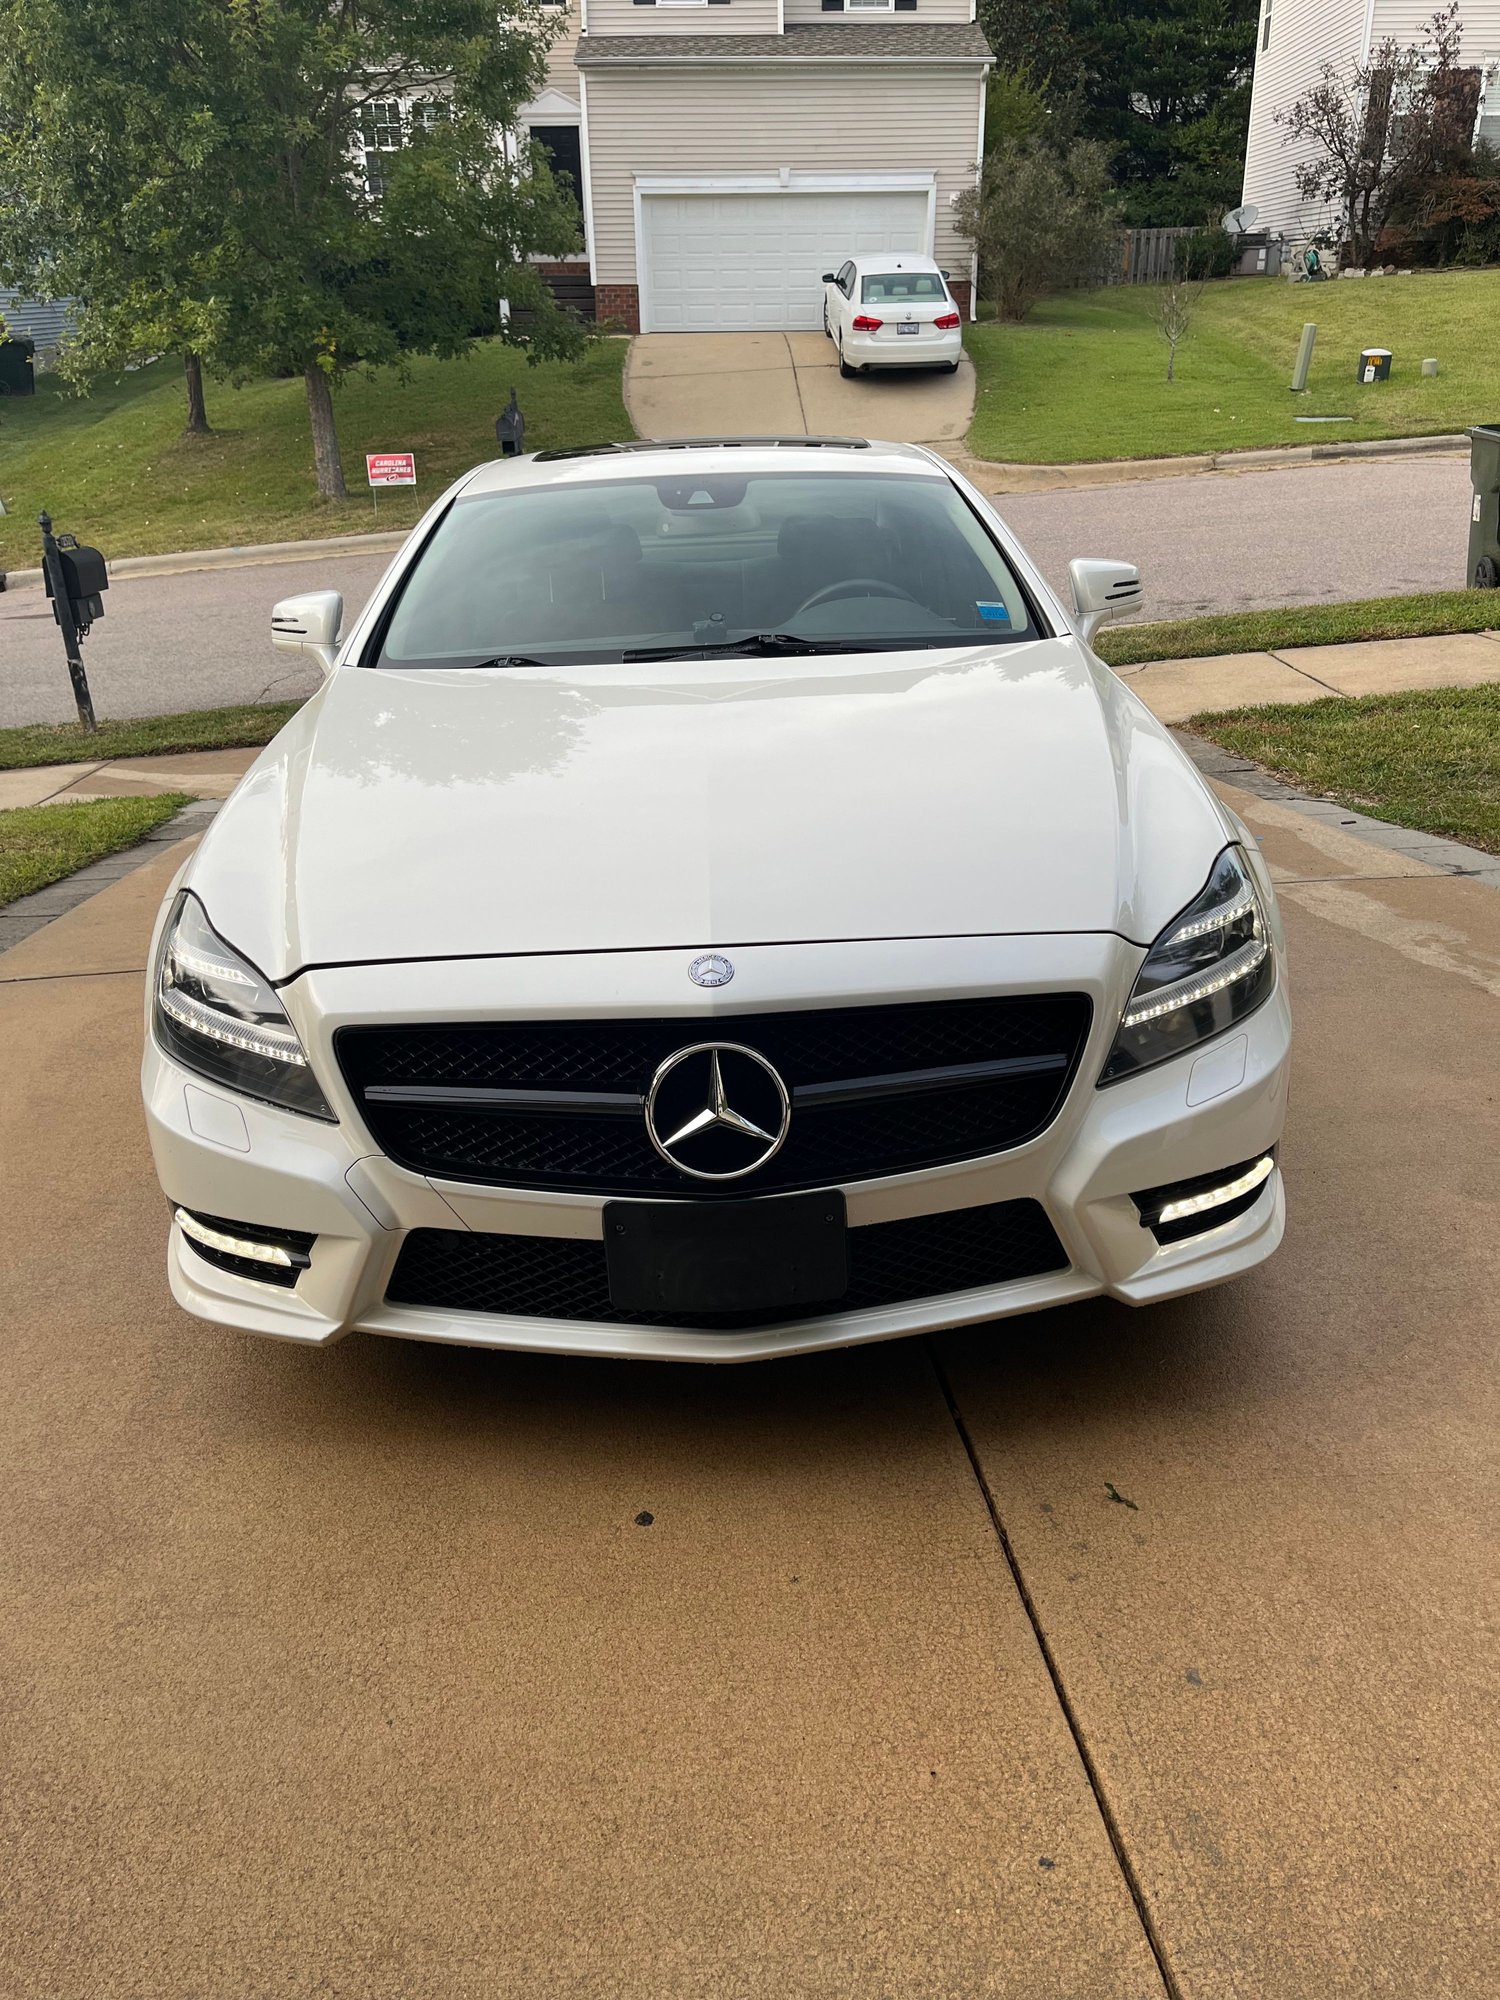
(993,614)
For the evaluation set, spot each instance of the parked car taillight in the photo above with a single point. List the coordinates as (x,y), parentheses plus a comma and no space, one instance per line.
(947,322)
(864,324)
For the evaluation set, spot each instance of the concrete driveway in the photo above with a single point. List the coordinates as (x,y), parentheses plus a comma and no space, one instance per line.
(401,1670)
(785,385)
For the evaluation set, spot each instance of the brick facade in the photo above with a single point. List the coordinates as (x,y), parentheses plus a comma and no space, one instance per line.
(619,304)
(961,291)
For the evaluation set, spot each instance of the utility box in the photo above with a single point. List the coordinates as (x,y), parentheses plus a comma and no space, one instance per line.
(1375,364)
(17,359)
(1484,523)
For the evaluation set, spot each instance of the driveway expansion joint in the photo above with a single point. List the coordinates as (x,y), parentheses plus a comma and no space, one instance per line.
(1091,1771)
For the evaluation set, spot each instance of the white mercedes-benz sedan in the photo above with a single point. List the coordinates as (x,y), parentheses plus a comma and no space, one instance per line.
(716,906)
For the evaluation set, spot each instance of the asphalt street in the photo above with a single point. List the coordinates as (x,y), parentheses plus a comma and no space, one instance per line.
(1212,542)
(1096,1656)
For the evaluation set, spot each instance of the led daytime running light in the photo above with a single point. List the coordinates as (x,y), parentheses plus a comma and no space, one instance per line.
(1218,920)
(1177,1211)
(1167,999)
(199,966)
(280,1045)
(238,1246)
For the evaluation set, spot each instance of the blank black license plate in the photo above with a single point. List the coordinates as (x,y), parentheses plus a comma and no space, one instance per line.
(908,326)
(726,1256)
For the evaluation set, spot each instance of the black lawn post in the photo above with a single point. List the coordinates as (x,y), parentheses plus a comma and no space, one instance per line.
(62,608)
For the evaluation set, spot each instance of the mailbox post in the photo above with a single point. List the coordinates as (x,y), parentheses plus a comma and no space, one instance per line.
(510,429)
(76,578)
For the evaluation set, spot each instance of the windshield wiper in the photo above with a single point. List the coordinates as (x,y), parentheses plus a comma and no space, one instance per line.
(511,660)
(760,644)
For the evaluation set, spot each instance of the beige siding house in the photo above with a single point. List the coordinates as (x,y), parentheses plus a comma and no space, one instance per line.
(1296,38)
(731,151)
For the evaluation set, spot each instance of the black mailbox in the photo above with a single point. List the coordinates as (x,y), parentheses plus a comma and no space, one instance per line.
(510,429)
(86,577)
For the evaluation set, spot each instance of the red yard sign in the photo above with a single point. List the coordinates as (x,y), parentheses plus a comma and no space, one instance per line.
(391,468)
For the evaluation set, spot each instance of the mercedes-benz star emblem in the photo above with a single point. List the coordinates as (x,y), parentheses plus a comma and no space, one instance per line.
(712,969)
(717,1111)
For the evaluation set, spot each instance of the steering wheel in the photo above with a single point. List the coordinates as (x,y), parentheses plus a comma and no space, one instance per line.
(854,586)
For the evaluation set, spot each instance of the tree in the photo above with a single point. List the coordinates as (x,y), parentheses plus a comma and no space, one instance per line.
(1382,128)
(307,186)
(1041,220)
(1176,304)
(1164,84)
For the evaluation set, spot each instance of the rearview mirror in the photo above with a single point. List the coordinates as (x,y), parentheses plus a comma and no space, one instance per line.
(828,278)
(1102,591)
(309,625)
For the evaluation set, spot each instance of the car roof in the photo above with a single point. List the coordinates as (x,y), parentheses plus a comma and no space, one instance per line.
(894,260)
(649,458)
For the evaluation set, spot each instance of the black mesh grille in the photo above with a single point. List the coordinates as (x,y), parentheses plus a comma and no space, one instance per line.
(558,1277)
(599,1154)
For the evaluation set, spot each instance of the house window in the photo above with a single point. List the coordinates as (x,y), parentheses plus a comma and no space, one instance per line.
(870,6)
(1487,125)
(1265,28)
(381,134)
(563,147)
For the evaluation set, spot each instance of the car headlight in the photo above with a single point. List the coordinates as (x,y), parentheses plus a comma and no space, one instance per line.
(1212,965)
(216,1015)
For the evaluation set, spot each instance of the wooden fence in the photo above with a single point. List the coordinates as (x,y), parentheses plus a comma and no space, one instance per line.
(1142,257)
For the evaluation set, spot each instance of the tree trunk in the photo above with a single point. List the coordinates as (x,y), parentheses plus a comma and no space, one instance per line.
(197,413)
(325,435)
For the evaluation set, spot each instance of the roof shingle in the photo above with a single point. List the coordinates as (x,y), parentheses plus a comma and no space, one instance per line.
(916,41)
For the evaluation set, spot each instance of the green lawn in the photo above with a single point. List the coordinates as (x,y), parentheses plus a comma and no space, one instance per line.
(114,468)
(1086,376)
(1415,617)
(42,844)
(148,736)
(1429,760)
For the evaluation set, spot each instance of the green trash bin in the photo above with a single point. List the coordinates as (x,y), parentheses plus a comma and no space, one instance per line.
(1484,521)
(15,368)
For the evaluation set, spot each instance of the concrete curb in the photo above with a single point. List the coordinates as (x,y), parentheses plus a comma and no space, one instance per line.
(385,543)
(1447,857)
(1000,476)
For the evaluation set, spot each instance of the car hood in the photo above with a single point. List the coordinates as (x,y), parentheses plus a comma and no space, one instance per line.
(439,814)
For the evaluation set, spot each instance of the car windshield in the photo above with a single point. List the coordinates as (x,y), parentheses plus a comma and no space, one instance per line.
(894,286)
(616,569)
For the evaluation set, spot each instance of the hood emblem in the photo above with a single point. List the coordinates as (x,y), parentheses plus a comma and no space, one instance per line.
(712,969)
(717,1111)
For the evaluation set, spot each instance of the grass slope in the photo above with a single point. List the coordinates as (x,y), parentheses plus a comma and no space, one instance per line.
(1086,376)
(1429,759)
(114,468)
(42,844)
(1421,616)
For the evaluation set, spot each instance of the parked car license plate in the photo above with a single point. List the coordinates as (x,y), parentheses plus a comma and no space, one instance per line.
(907,326)
(726,1256)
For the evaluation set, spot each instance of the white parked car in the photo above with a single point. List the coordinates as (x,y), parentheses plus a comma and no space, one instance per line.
(716,906)
(892,310)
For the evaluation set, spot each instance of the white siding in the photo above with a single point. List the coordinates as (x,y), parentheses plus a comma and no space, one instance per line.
(927,10)
(1405,20)
(561,75)
(1304,35)
(839,118)
(740,17)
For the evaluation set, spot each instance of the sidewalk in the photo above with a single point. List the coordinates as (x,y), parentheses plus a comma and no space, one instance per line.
(204,774)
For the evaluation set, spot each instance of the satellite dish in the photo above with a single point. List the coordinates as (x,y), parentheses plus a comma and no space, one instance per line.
(1240,221)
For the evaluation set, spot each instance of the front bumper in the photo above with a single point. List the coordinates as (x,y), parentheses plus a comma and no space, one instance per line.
(225,1156)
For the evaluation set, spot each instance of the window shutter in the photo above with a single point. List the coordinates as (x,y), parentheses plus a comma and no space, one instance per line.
(906,6)
(833,6)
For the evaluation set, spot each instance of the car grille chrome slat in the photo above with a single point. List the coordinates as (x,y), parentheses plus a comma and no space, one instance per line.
(564,1277)
(875,1091)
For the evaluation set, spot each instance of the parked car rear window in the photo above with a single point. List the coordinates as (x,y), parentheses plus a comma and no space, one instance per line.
(890,289)
(600,570)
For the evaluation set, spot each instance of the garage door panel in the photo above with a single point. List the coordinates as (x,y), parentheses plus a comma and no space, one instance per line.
(719,262)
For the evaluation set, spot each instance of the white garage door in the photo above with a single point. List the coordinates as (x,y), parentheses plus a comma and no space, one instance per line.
(732,262)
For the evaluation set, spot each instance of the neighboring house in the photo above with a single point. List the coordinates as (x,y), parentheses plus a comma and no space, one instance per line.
(44,323)
(728,152)
(1296,37)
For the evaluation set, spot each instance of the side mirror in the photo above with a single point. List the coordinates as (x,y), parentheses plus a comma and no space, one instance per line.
(309,625)
(1102,591)
(828,278)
